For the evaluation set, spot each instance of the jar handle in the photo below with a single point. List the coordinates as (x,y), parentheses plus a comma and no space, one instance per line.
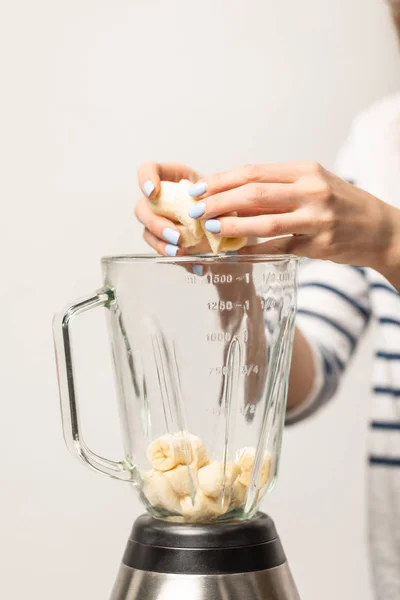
(65,369)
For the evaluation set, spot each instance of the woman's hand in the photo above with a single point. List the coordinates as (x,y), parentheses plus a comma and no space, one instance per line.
(160,233)
(326,217)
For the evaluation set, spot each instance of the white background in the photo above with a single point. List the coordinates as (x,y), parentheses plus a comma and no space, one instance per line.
(89,89)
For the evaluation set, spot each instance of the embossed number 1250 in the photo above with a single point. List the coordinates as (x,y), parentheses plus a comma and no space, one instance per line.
(221,305)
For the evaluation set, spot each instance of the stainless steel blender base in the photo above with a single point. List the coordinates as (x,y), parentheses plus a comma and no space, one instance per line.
(271,584)
(235,560)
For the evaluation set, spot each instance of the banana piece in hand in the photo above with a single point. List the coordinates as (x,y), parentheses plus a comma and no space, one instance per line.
(159,492)
(203,508)
(173,202)
(168,451)
(212,481)
(183,479)
(245,460)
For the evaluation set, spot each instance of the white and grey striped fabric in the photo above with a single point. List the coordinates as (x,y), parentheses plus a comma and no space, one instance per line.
(336,303)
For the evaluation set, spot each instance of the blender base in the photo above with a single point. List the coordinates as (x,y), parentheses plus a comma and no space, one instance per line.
(270,584)
(241,560)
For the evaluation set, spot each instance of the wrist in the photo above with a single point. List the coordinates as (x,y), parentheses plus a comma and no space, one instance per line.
(388,260)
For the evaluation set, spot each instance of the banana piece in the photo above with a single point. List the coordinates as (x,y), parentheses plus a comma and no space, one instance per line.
(187,485)
(219,244)
(212,481)
(245,460)
(173,202)
(167,452)
(183,479)
(198,452)
(187,239)
(174,519)
(203,508)
(159,492)
(238,495)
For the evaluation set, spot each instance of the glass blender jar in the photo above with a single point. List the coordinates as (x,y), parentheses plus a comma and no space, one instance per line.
(201,352)
(201,349)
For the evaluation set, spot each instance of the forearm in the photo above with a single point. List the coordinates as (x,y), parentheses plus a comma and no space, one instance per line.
(302,373)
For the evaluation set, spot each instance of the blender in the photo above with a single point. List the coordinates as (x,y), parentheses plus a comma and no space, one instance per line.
(201,350)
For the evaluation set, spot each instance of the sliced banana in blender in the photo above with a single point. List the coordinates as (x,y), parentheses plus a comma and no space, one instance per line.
(183,479)
(212,479)
(198,451)
(238,495)
(204,508)
(168,451)
(184,482)
(245,461)
(159,492)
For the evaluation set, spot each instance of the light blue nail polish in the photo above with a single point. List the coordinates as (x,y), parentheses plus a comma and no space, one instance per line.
(232,253)
(171,250)
(197,210)
(148,188)
(171,235)
(213,226)
(198,270)
(198,189)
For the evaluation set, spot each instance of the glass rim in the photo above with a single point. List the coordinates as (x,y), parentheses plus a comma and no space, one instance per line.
(203,258)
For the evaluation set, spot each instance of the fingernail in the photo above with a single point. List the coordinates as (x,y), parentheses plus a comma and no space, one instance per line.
(171,235)
(198,270)
(171,250)
(198,189)
(232,253)
(196,210)
(148,188)
(213,226)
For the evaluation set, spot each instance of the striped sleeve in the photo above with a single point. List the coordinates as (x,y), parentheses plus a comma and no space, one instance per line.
(333,312)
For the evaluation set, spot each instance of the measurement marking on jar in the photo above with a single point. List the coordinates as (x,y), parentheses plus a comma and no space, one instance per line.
(246,278)
(211,278)
(245,305)
(267,303)
(277,277)
(220,336)
(214,278)
(248,409)
(220,306)
(246,370)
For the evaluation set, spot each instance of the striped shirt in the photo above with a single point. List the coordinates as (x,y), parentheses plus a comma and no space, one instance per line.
(336,304)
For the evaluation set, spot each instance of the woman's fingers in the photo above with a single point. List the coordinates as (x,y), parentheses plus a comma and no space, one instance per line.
(170,250)
(160,227)
(161,247)
(296,244)
(288,172)
(250,199)
(150,174)
(261,226)
(149,179)
(164,230)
